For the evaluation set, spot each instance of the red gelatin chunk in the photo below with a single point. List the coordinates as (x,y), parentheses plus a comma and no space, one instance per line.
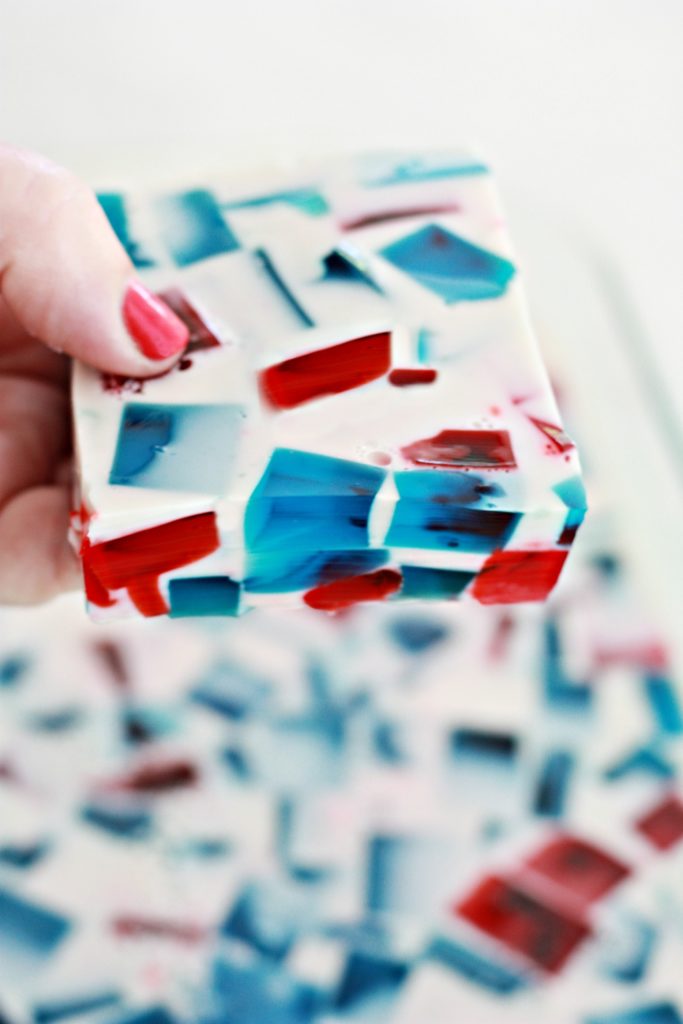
(201,335)
(559,441)
(404,378)
(463,449)
(584,870)
(510,577)
(136,561)
(327,371)
(663,825)
(544,935)
(372,586)
(129,926)
(382,216)
(161,778)
(112,655)
(95,592)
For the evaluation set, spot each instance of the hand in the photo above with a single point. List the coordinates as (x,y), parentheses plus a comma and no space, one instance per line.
(67,288)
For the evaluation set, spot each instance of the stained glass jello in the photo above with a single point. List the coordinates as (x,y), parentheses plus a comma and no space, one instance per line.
(362,412)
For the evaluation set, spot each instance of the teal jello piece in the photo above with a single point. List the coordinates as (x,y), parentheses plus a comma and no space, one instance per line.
(428,583)
(310,501)
(176,447)
(193,227)
(202,596)
(453,268)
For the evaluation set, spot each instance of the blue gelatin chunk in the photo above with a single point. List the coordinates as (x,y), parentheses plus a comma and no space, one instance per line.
(551,792)
(76,1006)
(451,267)
(401,872)
(387,745)
(423,345)
(276,572)
(114,208)
(572,493)
(22,856)
(446,488)
(176,447)
(203,595)
(433,584)
(266,917)
(260,993)
(665,704)
(416,633)
(308,200)
(421,168)
(276,279)
(57,721)
(655,1013)
(122,822)
(27,929)
(237,763)
(231,690)
(145,1015)
(561,693)
(642,761)
(489,974)
(479,745)
(310,501)
(12,669)
(193,227)
(433,511)
(630,959)
(367,978)
(340,266)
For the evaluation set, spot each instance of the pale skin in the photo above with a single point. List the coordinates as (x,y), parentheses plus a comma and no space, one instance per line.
(63,275)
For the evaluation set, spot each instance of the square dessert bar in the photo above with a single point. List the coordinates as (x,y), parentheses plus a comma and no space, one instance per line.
(361,414)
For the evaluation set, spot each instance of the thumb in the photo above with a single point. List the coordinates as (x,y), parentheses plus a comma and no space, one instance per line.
(66,278)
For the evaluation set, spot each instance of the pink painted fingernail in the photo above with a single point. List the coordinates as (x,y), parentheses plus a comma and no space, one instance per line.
(154,327)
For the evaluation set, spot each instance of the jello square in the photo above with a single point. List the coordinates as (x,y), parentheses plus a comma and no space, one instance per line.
(362,413)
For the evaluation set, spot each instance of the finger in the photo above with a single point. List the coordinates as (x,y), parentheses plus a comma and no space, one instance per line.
(21,355)
(34,433)
(66,278)
(33,527)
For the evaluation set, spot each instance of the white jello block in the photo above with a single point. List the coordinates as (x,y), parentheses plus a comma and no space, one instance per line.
(362,412)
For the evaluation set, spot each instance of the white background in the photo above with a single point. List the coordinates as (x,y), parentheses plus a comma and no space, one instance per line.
(577,104)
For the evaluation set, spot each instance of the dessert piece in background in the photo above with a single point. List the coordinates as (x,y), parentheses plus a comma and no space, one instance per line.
(364,818)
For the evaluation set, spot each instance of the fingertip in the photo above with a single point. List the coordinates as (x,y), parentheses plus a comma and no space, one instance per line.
(159,334)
